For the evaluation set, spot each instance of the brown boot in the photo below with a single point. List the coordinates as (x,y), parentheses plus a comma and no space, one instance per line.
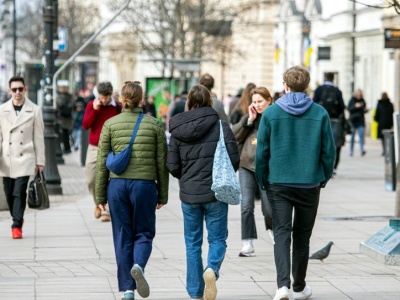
(105,218)
(97,212)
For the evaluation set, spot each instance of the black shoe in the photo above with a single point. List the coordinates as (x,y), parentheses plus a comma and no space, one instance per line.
(363,153)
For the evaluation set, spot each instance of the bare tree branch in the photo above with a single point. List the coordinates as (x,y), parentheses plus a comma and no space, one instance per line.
(387,4)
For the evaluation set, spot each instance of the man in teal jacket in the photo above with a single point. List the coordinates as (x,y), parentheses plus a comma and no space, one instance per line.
(294,159)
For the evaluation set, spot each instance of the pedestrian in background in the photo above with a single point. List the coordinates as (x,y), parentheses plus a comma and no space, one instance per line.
(242,106)
(208,81)
(384,117)
(246,135)
(77,126)
(65,107)
(357,108)
(134,195)
(294,159)
(22,152)
(97,112)
(194,137)
(330,97)
(150,108)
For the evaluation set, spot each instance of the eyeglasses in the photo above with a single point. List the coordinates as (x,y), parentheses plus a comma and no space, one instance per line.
(283,82)
(19,89)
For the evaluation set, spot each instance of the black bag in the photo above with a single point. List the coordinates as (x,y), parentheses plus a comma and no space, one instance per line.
(38,198)
(330,101)
(66,110)
(117,163)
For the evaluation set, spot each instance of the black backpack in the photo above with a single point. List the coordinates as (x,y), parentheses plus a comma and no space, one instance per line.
(66,110)
(329,100)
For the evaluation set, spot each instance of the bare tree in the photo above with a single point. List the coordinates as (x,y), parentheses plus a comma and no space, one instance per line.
(180,29)
(81,21)
(385,4)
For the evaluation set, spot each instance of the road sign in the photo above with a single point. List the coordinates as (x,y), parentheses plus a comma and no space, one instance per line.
(392,38)
(62,39)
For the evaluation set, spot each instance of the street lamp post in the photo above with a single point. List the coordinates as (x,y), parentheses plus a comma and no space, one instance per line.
(8,4)
(53,179)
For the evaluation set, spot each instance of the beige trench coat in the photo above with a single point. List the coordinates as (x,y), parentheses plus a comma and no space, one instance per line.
(21,140)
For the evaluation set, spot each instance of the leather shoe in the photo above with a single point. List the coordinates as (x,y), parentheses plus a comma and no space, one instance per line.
(16,233)
(97,212)
(105,218)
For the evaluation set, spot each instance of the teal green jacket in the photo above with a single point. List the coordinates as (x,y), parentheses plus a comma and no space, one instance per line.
(294,148)
(148,157)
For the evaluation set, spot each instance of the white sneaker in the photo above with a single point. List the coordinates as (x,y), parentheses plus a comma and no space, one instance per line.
(282,294)
(247,249)
(271,235)
(210,290)
(305,294)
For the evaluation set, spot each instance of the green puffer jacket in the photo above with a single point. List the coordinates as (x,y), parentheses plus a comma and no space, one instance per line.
(148,157)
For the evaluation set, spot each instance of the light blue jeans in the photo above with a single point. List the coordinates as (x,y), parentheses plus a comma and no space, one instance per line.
(360,130)
(216,216)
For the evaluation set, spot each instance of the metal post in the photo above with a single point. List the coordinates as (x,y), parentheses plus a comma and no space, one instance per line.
(53,179)
(14,60)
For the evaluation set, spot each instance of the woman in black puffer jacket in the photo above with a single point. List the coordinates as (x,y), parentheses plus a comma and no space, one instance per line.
(194,137)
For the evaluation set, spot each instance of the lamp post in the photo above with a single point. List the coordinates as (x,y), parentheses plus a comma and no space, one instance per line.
(8,4)
(53,179)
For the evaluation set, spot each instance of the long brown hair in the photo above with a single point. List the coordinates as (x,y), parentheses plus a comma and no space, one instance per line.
(131,94)
(245,99)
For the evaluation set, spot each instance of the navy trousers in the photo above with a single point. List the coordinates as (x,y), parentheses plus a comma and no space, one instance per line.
(133,216)
(15,191)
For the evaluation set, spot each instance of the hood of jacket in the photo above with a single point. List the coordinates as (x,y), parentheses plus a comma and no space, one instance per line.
(294,103)
(193,124)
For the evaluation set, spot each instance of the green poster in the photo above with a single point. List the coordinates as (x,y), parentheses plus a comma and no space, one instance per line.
(163,90)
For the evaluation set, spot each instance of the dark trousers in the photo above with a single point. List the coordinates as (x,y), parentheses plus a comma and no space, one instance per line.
(133,216)
(15,191)
(248,187)
(65,140)
(337,159)
(305,204)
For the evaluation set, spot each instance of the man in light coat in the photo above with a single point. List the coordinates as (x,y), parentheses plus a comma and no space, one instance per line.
(21,149)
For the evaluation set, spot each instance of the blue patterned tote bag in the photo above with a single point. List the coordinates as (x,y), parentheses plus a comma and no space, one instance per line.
(225,182)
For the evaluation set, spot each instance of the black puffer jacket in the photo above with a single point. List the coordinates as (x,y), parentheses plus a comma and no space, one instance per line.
(194,137)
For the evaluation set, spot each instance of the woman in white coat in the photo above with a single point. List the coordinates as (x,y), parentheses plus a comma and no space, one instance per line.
(22,151)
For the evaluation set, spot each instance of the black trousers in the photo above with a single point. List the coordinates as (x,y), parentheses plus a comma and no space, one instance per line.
(65,140)
(15,191)
(305,204)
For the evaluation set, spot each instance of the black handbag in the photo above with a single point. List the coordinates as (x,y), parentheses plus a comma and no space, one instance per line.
(38,197)
(117,163)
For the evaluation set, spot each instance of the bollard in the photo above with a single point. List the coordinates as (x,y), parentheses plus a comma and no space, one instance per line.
(390,164)
(84,145)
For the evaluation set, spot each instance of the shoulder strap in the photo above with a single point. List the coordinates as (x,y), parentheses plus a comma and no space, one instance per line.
(221,130)
(136,129)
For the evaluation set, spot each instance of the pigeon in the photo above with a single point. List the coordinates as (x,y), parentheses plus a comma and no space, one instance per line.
(323,253)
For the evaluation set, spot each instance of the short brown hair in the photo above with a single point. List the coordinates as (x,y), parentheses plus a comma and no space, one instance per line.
(105,88)
(263,92)
(208,81)
(297,78)
(131,94)
(199,96)
(16,78)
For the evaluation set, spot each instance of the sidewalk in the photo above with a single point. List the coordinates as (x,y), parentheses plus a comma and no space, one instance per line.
(67,254)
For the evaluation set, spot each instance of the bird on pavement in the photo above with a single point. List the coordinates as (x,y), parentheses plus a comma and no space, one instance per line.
(323,253)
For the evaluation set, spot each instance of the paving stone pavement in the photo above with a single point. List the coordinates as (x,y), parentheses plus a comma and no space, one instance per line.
(67,254)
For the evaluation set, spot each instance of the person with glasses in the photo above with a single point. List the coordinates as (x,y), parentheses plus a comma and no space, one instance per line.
(97,112)
(22,151)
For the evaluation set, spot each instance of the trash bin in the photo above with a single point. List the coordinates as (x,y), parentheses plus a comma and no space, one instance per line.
(390,162)
(84,145)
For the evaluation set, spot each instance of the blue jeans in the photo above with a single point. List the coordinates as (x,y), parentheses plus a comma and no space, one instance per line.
(216,216)
(132,205)
(360,130)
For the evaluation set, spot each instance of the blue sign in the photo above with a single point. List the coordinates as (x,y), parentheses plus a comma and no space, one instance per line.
(62,39)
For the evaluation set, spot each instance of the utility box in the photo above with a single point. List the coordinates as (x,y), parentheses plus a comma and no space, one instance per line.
(390,161)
